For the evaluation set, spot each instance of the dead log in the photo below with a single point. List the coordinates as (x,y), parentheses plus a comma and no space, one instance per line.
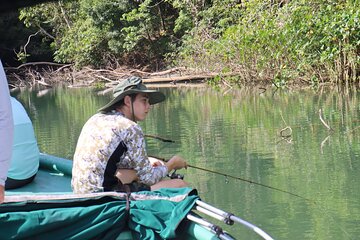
(175,79)
(44,84)
(34,64)
(169,71)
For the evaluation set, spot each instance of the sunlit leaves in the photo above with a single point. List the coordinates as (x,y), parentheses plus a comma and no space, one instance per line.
(277,41)
(280,41)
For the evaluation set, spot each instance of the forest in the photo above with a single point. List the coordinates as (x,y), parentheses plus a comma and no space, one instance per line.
(279,42)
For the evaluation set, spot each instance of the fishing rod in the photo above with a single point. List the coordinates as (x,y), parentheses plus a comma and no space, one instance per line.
(237,178)
(174,175)
(247,180)
(159,138)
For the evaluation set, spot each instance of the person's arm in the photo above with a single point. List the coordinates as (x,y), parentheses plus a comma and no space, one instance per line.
(6,130)
(155,162)
(129,175)
(136,153)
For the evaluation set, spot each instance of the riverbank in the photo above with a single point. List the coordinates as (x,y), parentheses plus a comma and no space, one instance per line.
(47,75)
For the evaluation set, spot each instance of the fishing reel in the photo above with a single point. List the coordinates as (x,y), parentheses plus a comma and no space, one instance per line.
(175,175)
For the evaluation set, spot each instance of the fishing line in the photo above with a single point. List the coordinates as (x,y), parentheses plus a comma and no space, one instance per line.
(321,208)
(249,181)
(241,179)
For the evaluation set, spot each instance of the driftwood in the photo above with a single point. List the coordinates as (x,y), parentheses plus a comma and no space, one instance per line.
(48,74)
(44,84)
(323,121)
(323,144)
(37,63)
(179,78)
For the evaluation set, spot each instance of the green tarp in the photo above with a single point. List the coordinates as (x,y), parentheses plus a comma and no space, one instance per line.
(152,215)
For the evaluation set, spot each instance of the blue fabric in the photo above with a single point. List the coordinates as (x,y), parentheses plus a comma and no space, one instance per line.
(6,126)
(25,155)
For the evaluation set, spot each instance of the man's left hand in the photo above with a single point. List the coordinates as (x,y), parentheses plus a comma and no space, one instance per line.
(156,162)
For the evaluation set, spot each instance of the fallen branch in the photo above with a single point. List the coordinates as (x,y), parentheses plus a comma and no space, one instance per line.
(104,78)
(323,122)
(34,64)
(323,143)
(44,83)
(263,90)
(111,77)
(78,85)
(172,70)
(180,78)
(103,92)
(99,70)
(352,130)
(139,72)
(61,68)
(28,41)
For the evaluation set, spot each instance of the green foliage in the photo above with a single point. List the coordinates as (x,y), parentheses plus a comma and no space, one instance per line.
(183,23)
(326,39)
(99,86)
(279,43)
(14,36)
(274,41)
(82,45)
(101,32)
(21,56)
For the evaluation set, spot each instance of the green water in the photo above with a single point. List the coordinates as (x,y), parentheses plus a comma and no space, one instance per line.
(239,133)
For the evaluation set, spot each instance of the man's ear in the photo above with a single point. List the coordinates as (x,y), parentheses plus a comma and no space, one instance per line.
(127,100)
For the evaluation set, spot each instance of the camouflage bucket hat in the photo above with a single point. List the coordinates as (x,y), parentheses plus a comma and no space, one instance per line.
(129,86)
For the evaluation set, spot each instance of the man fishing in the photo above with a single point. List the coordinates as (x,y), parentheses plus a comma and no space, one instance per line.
(111,155)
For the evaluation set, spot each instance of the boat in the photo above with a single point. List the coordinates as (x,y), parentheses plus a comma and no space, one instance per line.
(47,209)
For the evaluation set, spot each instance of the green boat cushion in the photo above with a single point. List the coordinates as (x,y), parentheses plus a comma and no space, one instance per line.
(47,209)
(153,215)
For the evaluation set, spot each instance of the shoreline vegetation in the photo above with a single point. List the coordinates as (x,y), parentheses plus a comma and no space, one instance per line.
(222,43)
(48,74)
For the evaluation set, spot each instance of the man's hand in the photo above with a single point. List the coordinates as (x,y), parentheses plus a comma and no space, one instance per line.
(156,162)
(176,162)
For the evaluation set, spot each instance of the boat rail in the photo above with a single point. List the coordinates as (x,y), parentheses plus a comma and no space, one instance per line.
(226,217)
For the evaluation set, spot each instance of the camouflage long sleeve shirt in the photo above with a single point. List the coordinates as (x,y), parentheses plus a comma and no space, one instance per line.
(99,138)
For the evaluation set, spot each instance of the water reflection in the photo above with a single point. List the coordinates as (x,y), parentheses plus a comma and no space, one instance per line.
(241,133)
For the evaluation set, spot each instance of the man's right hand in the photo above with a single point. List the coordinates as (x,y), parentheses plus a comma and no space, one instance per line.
(176,162)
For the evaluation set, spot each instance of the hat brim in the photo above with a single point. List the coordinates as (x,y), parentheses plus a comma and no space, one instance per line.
(154,97)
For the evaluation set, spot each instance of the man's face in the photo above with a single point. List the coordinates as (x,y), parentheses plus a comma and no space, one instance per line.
(141,106)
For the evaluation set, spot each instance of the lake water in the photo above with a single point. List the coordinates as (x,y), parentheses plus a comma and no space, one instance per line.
(275,138)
